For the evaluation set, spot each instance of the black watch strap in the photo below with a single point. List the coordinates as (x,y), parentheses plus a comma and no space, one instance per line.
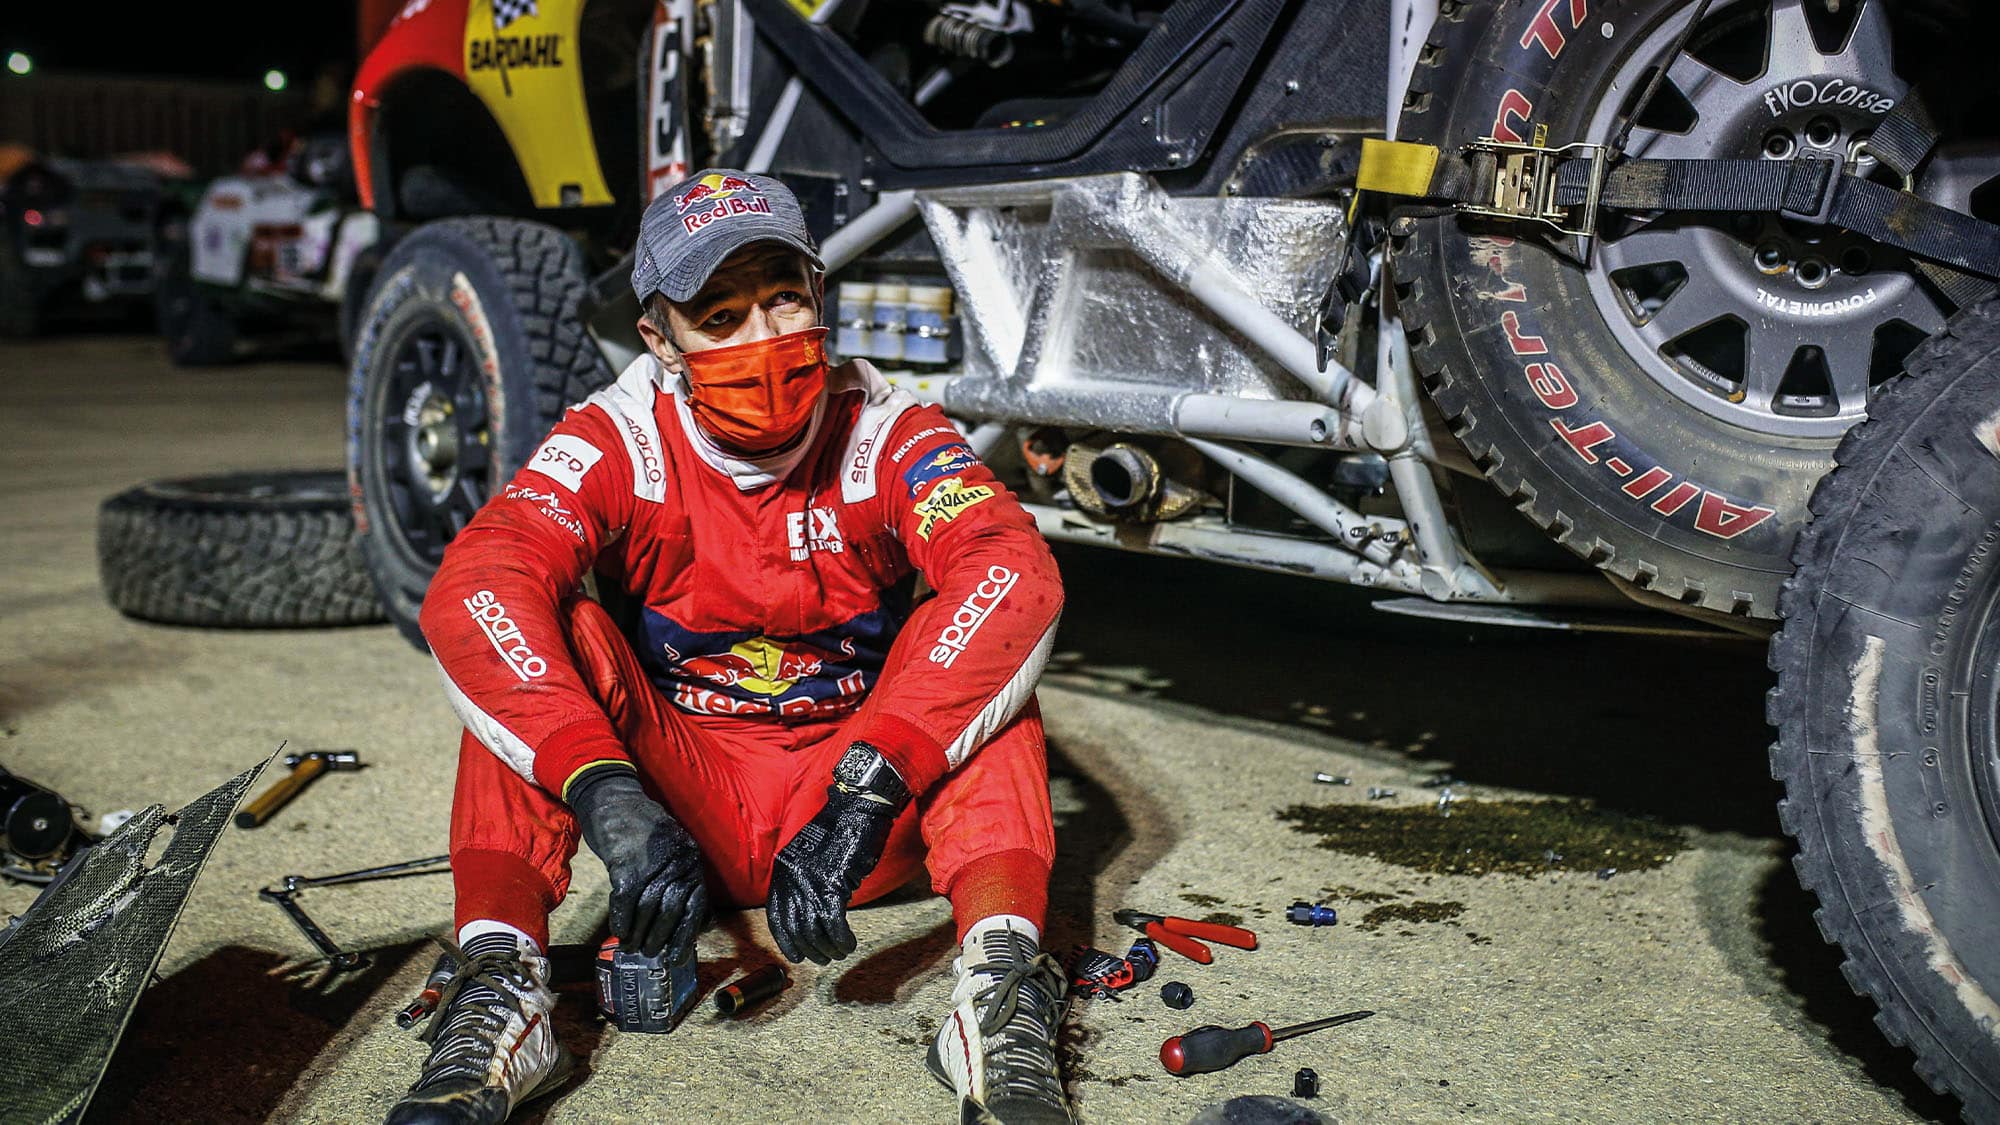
(863,770)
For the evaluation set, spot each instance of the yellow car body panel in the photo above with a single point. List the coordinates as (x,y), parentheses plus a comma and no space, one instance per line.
(522,59)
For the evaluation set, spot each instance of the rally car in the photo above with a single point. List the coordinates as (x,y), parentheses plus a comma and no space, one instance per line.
(284,244)
(1582,345)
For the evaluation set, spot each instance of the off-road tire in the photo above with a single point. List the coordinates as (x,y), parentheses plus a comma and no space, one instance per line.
(508,289)
(1723,478)
(196,325)
(272,550)
(1887,664)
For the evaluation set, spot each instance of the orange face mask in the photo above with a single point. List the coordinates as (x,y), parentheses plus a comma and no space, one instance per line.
(758,396)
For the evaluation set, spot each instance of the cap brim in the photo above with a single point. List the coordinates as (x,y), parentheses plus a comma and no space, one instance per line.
(694,271)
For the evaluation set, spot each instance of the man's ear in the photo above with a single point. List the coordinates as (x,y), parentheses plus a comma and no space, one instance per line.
(662,348)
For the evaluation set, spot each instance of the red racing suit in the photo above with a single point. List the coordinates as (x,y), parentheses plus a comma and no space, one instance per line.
(769,590)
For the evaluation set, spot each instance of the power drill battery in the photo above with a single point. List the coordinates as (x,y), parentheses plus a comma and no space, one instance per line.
(640,993)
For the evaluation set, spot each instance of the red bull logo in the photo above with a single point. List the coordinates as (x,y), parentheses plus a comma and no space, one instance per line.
(760,665)
(717,196)
(712,186)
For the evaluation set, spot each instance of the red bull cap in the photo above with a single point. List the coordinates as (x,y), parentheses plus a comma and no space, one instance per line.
(691,227)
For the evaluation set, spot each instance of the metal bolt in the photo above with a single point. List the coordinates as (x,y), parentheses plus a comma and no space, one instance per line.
(1445,798)
(1930,757)
(1175,158)
(1325,778)
(1606,872)
(1291,85)
(1377,792)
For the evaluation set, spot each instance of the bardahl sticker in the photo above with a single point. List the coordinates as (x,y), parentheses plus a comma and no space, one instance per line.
(948,500)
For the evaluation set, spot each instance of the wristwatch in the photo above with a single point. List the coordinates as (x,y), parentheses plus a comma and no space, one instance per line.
(864,771)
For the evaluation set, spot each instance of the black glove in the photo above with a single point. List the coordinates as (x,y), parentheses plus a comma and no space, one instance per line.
(814,874)
(658,899)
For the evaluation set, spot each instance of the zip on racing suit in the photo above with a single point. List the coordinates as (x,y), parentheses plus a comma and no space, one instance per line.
(772,634)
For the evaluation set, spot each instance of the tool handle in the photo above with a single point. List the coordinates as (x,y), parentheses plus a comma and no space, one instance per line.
(1192,950)
(1216,931)
(260,810)
(430,865)
(1210,1048)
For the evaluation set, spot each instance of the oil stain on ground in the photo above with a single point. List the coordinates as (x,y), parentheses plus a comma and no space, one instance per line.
(1525,838)
(1410,912)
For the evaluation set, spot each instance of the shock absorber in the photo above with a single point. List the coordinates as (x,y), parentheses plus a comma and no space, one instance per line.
(956,35)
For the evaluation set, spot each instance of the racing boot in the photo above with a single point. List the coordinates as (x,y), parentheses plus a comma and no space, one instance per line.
(997,1049)
(493,1043)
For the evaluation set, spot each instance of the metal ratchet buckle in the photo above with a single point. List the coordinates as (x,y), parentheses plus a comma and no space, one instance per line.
(1524,185)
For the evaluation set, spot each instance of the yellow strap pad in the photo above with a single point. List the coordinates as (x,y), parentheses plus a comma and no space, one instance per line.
(1396,167)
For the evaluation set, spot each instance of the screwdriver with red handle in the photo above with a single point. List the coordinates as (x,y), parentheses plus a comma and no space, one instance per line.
(1209,1048)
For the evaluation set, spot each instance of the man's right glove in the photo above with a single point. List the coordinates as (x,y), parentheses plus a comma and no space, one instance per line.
(658,899)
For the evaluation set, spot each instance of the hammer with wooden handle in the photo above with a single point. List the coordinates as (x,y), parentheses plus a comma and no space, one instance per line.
(305,767)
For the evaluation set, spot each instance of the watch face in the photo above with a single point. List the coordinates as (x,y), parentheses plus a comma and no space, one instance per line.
(855,766)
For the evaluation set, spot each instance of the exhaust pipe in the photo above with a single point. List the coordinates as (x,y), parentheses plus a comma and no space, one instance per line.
(1124,482)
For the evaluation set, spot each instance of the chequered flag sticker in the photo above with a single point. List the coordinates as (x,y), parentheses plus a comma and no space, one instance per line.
(507,11)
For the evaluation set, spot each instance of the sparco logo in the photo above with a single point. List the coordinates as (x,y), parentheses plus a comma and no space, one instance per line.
(972,613)
(857,468)
(649,459)
(505,636)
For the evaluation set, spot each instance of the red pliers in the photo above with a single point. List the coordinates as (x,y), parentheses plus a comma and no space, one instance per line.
(1176,933)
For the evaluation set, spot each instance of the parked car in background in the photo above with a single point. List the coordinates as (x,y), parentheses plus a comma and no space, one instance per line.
(283,243)
(77,234)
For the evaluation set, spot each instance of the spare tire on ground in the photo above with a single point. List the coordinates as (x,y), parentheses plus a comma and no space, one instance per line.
(274,549)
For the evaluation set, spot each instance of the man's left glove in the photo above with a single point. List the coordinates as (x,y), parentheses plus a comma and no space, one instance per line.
(814,874)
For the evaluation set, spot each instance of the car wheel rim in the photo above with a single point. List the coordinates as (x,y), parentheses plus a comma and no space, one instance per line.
(436,439)
(1771,324)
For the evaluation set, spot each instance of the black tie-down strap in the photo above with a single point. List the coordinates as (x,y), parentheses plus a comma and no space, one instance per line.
(1812,190)
(1817,191)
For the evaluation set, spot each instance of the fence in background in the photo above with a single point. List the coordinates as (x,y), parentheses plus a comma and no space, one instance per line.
(210,125)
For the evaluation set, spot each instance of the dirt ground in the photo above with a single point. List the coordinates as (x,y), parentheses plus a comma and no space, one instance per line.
(1188,711)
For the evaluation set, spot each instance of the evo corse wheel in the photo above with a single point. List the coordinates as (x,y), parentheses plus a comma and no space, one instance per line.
(468,353)
(1665,410)
(1888,709)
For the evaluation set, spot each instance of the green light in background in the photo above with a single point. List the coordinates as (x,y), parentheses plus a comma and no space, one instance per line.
(20,63)
(274,80)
